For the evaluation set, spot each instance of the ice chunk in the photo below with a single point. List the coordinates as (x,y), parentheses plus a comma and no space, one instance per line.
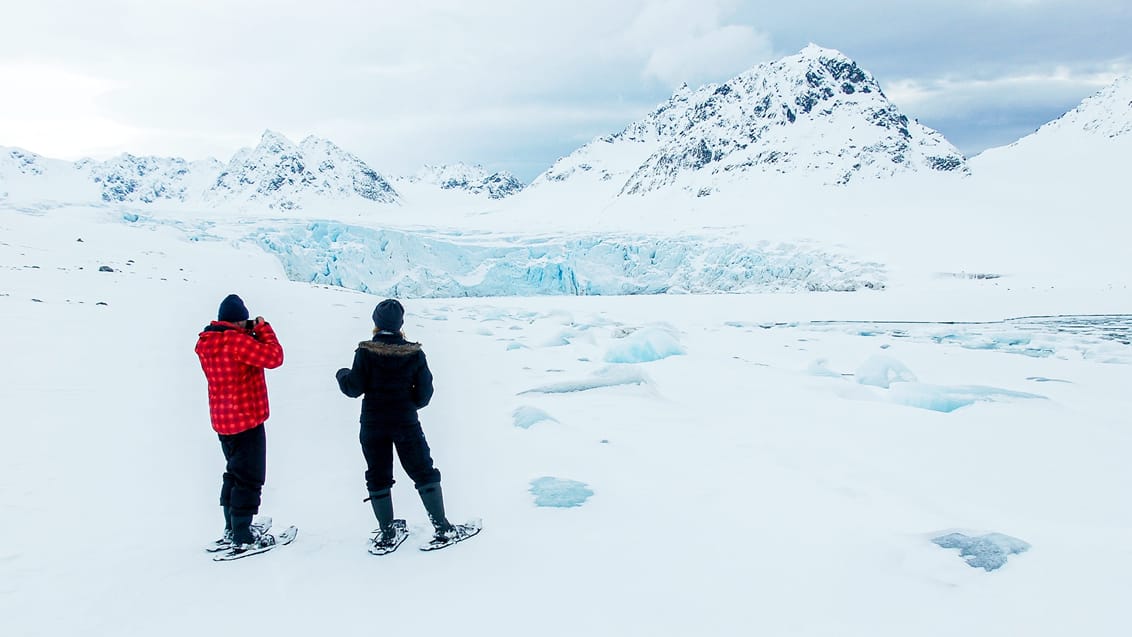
(643,346)
(562,338)
(988,552)
(949,398)
(559,492)
(1006,342)
(1090,337)
(606,377)
(526,416)
(882,371)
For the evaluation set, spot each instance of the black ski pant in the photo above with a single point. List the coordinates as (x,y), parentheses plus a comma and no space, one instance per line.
(245,471)
(378,442)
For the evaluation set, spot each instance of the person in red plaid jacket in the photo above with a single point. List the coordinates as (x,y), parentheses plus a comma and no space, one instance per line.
(233,353)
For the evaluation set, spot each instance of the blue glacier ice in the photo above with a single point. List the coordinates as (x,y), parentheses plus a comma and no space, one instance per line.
(526,416)
(1006,341)
(882,371)
(606,377)
(1103,337)
(988,552)
(972,341)
(643,346)
(903,388)
(559,492)
(561,339)
(433,264)
(949,398)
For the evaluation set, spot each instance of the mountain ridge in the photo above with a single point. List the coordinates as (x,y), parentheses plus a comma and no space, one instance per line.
(276,174)
(473,178)
(815,112)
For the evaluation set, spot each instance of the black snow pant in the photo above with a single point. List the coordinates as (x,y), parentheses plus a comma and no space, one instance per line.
(378,442)
(245,472)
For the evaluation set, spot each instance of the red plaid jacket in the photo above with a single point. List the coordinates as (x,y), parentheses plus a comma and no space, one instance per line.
(233,360)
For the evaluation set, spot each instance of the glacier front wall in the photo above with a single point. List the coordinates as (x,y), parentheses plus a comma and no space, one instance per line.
(430,265)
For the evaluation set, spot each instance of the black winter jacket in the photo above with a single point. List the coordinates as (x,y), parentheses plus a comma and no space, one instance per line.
(394,376)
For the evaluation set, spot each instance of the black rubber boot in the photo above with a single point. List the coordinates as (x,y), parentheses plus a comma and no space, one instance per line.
(382,503)
(242,529)
(433,500)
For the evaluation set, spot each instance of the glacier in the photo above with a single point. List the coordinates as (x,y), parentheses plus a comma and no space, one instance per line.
(431,264)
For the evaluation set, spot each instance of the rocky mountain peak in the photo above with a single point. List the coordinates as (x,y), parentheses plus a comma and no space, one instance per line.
(472,178)
(274,143)
(279,173)
(816,113)
(1106,113)
(21,161)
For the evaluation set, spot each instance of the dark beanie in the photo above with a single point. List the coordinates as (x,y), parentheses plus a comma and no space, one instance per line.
(389,315)
(232,310)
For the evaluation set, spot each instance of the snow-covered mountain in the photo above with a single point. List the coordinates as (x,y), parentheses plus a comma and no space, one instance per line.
(17,161)
(282,174)
(276,174)
(1105,114)
(473,179)
(1092,141)
(128,178)
(816,113)
(29,177)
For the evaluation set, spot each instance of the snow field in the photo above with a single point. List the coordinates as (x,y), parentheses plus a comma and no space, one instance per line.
(782,487)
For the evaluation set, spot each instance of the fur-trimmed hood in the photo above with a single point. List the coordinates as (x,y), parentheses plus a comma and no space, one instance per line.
(390,349)
(393,375)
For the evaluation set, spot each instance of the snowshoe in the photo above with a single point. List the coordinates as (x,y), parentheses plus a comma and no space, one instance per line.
(263,543)
(263,525)
(455,533)
(380,545)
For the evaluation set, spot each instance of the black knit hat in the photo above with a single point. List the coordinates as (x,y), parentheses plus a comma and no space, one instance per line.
(232,310)
(389,315)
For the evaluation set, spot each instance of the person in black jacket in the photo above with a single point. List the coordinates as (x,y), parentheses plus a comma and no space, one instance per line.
(393,375)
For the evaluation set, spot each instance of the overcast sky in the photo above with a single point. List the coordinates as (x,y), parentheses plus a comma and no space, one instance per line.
(511,84)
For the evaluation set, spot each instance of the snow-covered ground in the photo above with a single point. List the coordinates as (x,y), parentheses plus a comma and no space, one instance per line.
(775,463)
